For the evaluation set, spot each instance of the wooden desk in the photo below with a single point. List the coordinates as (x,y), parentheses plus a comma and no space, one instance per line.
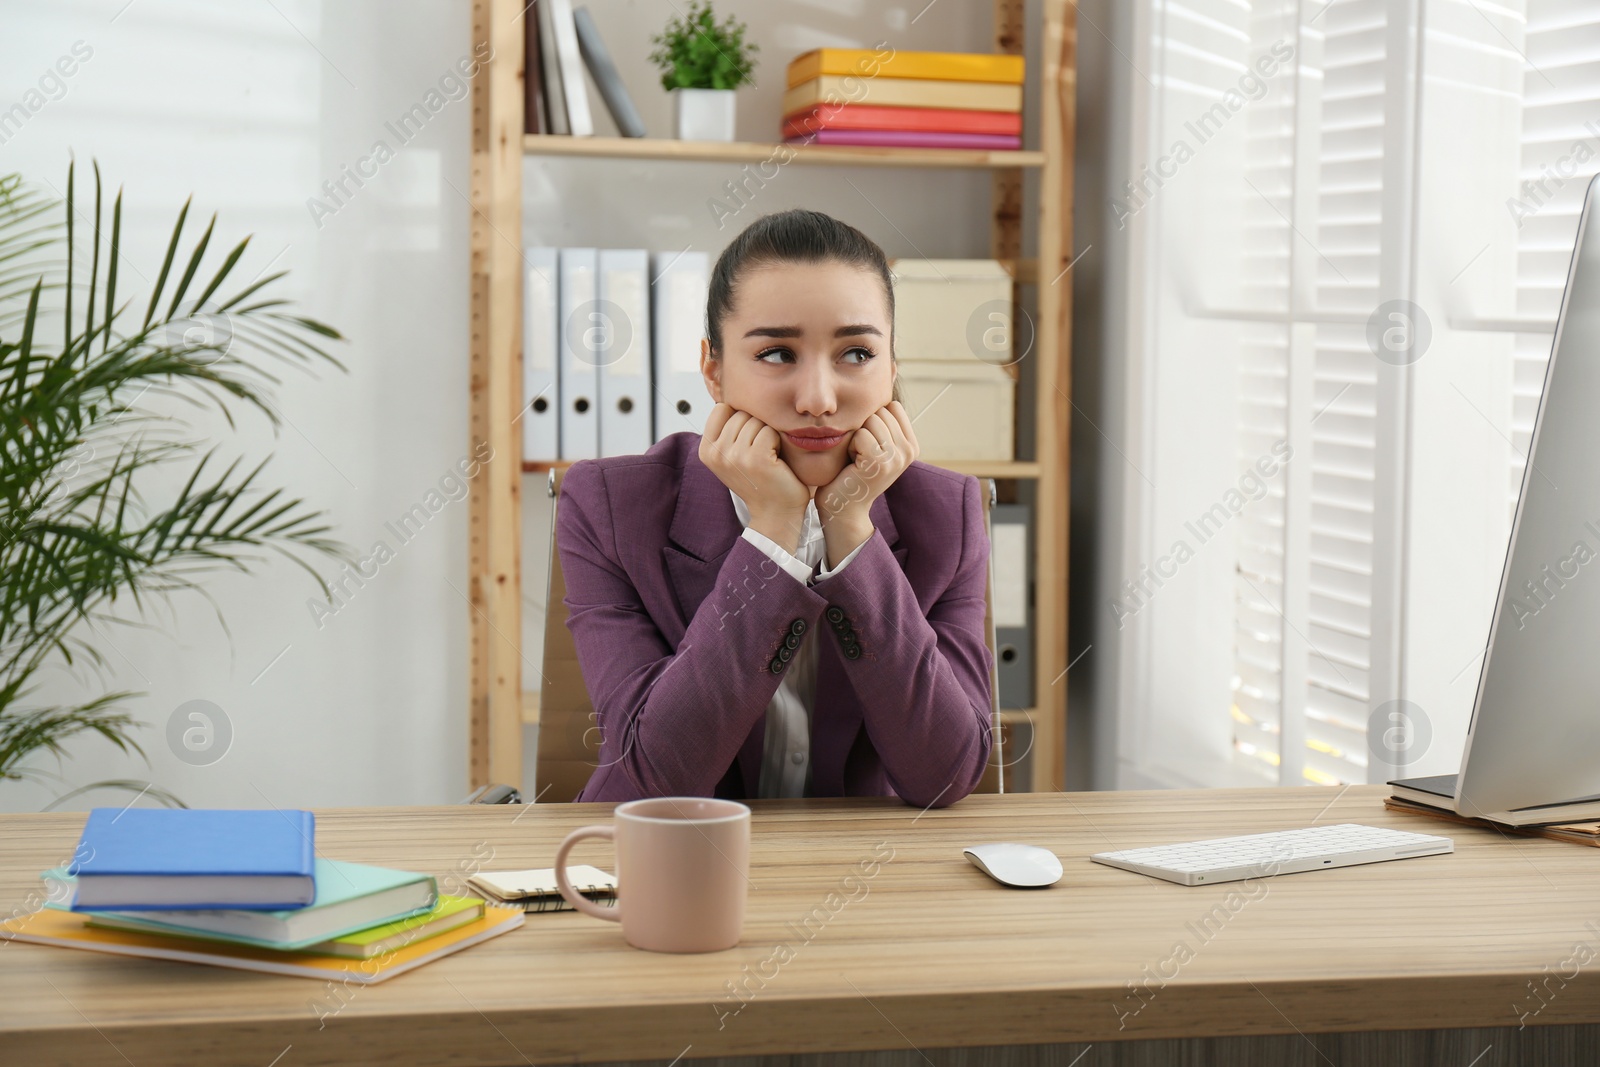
(923,954)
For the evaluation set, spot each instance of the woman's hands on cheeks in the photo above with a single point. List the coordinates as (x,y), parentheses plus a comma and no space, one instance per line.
(882,450)
(742,451)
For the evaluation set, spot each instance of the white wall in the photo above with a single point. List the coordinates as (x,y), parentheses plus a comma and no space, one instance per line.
(251,108)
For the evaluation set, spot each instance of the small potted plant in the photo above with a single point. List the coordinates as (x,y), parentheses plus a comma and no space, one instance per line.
(702,63)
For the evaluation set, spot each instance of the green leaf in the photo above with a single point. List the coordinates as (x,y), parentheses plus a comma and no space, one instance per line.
(166,265)
(194,265)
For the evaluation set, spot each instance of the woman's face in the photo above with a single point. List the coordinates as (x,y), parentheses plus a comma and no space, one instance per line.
(806,347)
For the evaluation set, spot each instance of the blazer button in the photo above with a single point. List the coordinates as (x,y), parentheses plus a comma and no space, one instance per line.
(785,654)
(791,641)
(835,614)
(852,651)
(776,666)
(797,627)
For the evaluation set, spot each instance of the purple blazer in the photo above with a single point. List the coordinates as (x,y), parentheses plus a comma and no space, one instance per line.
(683,630)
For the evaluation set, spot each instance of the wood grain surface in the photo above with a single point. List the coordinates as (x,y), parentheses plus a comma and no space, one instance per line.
(914,949)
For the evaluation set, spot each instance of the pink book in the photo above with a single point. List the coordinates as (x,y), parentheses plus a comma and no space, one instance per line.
(909,139)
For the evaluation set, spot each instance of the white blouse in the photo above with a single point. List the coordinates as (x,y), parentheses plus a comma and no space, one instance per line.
(786,755)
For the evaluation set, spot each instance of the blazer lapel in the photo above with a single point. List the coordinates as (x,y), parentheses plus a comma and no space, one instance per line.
(704,528)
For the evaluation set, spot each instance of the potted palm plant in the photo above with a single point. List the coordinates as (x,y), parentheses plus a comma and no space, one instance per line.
(702,62)
(92,530)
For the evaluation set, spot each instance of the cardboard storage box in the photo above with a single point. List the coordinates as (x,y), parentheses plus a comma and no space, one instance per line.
(952,310)
(960,410)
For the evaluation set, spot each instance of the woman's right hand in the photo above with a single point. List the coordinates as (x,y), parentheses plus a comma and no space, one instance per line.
(742,451)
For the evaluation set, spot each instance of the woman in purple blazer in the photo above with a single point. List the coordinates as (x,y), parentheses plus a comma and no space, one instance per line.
(789,604)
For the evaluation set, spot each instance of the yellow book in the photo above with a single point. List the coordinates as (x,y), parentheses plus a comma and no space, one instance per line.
(67,929)
(902,92)
(937,66)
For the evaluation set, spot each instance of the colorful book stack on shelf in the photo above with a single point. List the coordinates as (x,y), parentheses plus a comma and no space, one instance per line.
(854,96)
(245,889)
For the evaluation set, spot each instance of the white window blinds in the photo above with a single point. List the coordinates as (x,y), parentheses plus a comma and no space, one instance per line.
(1264,258)
(1560,152)
(1320,155)
(1354,202)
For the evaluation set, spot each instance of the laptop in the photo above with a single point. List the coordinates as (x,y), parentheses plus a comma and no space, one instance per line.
(1533,743)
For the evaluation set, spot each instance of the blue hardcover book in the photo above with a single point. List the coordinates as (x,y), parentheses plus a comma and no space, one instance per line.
(178,858)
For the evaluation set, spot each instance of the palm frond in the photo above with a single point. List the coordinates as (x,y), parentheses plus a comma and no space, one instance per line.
(88,433)
(127,785)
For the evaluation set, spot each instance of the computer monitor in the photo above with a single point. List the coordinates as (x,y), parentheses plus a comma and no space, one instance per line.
(1534,736)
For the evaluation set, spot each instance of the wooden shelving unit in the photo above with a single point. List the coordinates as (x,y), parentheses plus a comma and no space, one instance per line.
(499,707)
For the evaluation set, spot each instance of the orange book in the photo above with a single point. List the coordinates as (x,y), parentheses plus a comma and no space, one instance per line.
(872,117)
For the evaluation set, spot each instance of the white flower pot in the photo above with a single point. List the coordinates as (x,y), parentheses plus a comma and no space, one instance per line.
(703,114)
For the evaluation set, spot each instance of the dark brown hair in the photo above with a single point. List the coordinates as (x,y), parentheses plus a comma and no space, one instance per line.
(798,235)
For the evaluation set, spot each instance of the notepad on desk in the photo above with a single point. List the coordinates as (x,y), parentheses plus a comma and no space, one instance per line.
(535,890)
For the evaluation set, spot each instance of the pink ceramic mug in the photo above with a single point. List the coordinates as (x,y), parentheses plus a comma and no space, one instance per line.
(682,872)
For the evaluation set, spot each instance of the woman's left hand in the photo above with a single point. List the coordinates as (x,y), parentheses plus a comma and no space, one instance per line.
(881,451)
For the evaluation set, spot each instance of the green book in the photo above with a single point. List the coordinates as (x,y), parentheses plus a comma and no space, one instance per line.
(350,897)
(448,914)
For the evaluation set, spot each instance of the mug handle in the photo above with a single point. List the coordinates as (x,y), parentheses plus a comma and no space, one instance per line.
(573,897)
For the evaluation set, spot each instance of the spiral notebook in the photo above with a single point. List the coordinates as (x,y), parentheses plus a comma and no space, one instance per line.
(535,890)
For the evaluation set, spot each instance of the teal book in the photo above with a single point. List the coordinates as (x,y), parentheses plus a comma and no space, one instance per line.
(349,897)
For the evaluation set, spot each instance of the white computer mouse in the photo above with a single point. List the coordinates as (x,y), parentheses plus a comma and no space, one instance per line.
(1010,863)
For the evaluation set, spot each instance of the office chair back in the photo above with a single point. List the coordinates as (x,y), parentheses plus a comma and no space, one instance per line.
(568,746)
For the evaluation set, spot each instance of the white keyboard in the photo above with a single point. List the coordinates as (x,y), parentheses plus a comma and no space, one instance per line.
(1228,859)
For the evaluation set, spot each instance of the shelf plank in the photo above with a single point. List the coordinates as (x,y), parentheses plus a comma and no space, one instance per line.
(660,148)
(979,468)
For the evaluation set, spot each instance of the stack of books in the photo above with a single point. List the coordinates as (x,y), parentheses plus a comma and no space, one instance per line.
(1435,797)
(908,99)
(245,889)
(559,41)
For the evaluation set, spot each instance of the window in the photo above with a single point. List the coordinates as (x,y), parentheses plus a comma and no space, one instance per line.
(1344,287)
